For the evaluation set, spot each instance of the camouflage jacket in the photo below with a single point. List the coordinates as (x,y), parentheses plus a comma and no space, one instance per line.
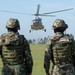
(12,38)
(49,54)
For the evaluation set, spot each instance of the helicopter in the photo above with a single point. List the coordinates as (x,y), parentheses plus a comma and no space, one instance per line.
(37,24)
(37,21)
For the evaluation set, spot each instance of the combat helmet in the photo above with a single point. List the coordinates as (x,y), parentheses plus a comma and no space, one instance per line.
(59,23)
(13,23)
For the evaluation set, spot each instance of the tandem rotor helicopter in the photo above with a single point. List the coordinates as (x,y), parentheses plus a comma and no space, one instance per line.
(37,22)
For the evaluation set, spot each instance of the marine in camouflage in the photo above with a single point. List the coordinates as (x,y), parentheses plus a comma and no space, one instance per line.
(60,51)
(15,51)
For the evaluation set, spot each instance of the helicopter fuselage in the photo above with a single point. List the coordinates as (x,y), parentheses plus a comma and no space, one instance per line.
(37,24)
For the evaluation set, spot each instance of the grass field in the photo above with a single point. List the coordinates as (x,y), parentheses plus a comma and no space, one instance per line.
(38,58)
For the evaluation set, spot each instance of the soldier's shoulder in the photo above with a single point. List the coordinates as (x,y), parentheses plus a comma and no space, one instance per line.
(23,38)
(9,34)
(4,35)
(2,38)
(69,36)
(52,38)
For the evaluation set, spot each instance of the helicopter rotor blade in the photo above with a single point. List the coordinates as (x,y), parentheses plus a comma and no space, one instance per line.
(46,15)
(37,14)
(14,12)
(37,10)
(58,11)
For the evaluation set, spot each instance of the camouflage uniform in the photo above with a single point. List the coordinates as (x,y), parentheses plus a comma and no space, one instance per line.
(60,51)
(15,51)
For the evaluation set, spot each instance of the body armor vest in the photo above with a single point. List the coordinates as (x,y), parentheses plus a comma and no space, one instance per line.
(12,54)
(12,50)
(62,50)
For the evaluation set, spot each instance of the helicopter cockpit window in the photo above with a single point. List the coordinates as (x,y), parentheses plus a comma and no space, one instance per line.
(37,21)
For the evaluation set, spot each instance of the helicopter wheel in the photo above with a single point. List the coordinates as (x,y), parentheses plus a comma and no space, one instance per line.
(30,31)
(45,30)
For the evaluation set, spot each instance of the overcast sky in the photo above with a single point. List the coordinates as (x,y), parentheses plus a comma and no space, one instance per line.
(30,7)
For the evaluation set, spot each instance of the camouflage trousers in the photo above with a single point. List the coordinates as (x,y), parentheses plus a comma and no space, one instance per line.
(63,70)
(14,70)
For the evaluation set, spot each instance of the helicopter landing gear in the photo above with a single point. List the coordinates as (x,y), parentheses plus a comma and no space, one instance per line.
(30,31)
(44,30)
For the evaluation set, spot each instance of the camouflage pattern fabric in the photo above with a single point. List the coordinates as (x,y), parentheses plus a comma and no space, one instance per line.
(65,70)
(49,56)
(58,23)
(14,70)
(15,52)
(13,23)
(60,51)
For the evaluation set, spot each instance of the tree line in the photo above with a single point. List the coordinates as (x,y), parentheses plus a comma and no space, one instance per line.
(39,40)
